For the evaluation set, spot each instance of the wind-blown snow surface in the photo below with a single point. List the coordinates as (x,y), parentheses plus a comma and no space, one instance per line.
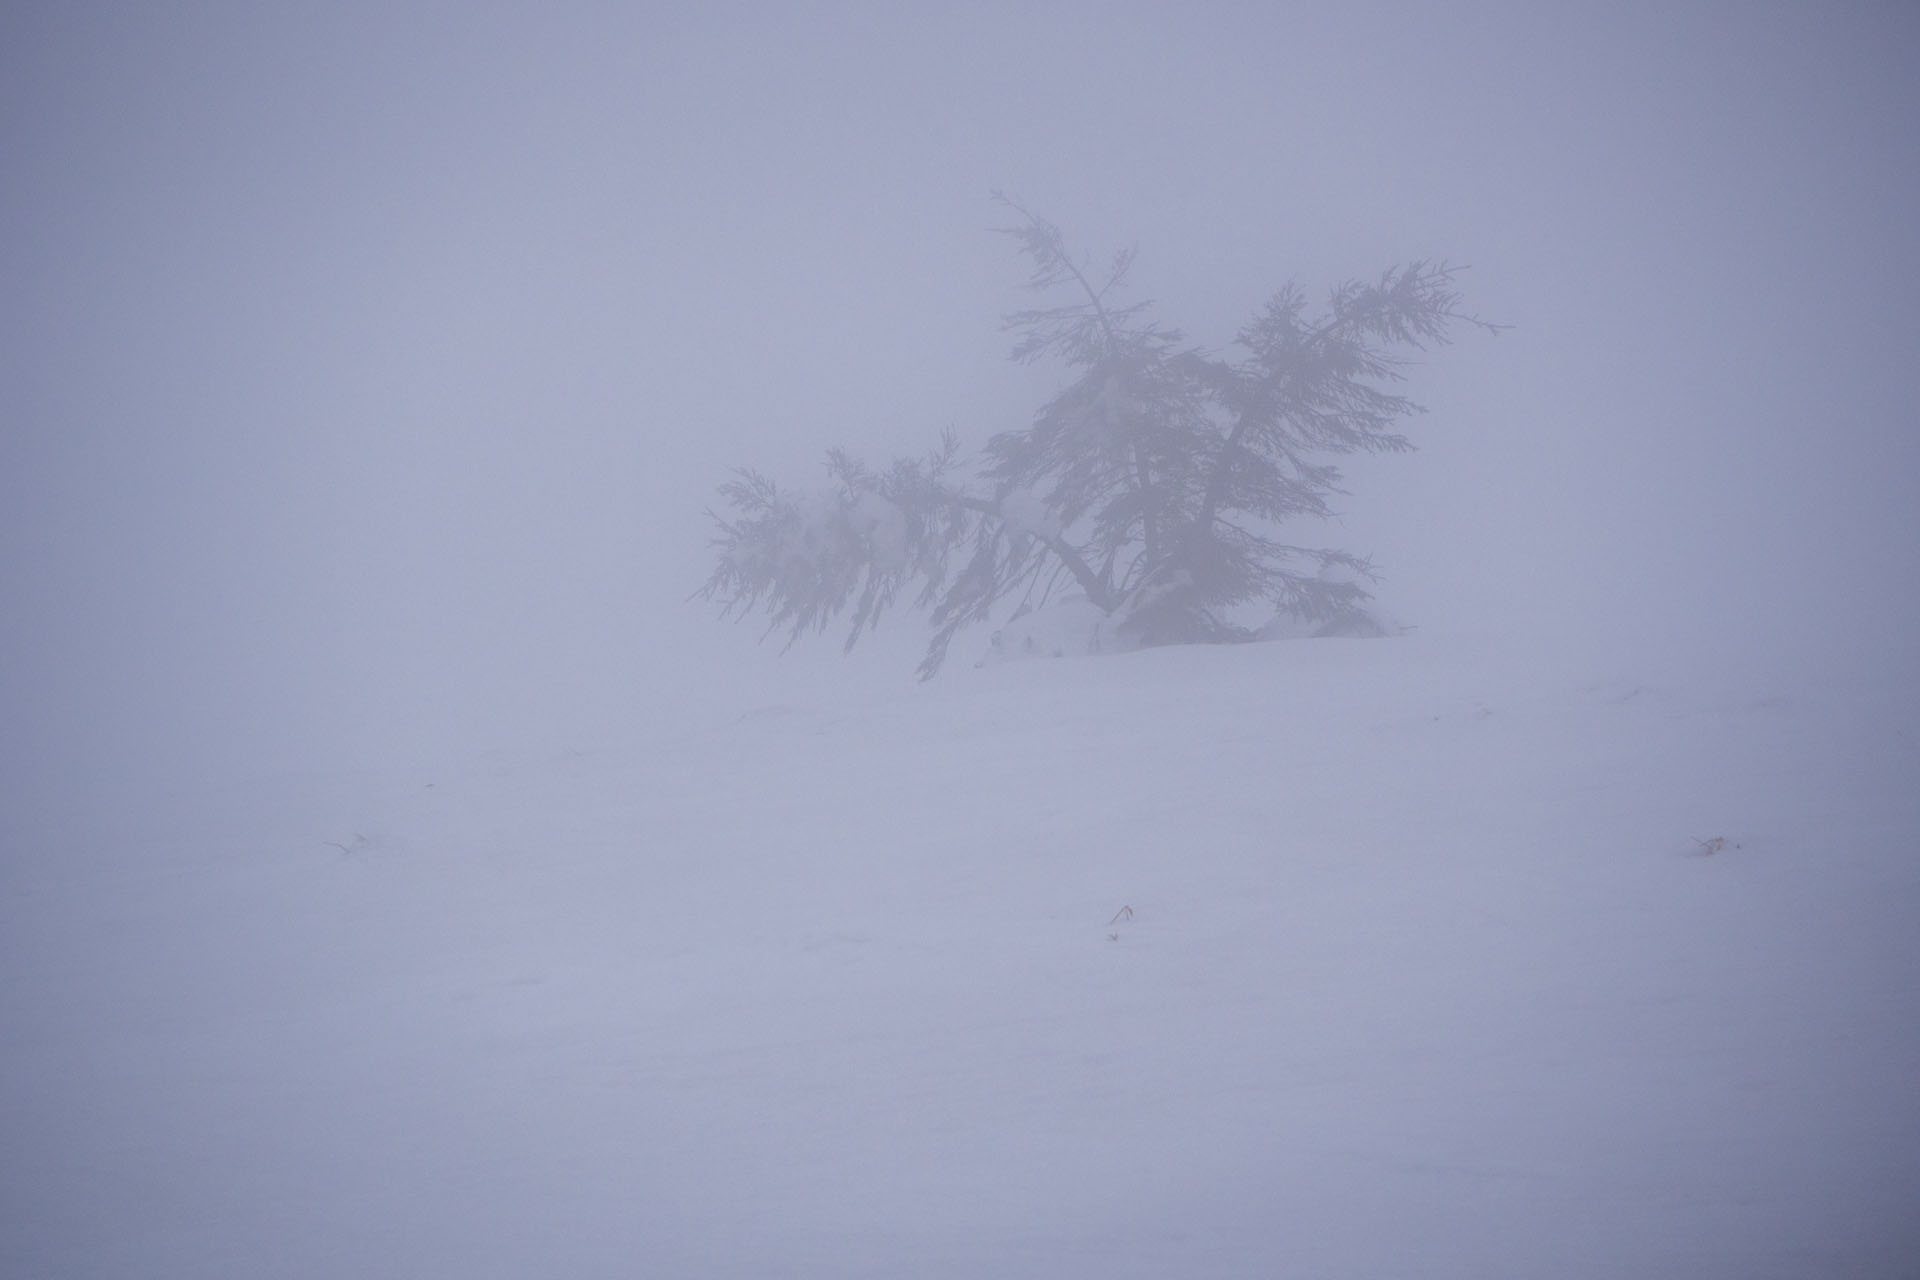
(1331,959)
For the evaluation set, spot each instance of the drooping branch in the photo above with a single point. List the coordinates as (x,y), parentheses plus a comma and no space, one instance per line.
(1096,589)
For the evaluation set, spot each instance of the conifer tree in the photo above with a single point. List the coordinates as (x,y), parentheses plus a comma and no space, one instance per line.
(1157,481)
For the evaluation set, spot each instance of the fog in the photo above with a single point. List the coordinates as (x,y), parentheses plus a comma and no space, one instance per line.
(367,369)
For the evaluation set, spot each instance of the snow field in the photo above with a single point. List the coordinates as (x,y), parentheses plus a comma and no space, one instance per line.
(1333,959)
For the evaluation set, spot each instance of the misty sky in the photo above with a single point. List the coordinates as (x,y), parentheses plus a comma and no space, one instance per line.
(366,368)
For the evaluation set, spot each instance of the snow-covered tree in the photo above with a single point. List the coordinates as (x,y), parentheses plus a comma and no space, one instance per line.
(1156,482)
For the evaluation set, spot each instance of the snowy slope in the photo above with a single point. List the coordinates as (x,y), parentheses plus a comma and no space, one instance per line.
(1330,959)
